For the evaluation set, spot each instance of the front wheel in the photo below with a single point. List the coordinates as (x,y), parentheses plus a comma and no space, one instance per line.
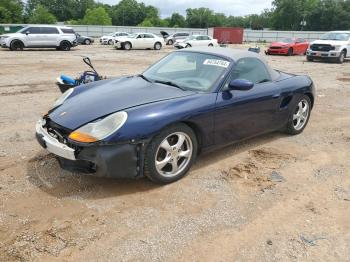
(300,116)
(309,58)
(188,46)
(170,154)
(65,46)
(210,45)
(127,46)
(290,52)
(87,41)
(170,42)
(110,42)
(341,58)
(16,45)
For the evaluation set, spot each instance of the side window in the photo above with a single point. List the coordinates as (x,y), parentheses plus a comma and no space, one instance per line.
(176,35)
(251,69)
(49,30)
(33,30)
(67,31)
(149,36)
(199,38)
(205,37)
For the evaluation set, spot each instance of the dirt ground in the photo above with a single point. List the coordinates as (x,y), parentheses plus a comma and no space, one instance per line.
(272,198)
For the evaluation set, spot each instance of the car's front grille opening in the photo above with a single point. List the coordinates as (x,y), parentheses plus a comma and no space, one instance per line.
(321,47)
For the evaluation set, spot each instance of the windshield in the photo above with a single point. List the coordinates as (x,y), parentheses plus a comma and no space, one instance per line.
(335,36)
(287,40)
(22,30)
(188,70)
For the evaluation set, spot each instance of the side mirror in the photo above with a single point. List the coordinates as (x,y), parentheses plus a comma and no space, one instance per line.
(27,33)
(240,84)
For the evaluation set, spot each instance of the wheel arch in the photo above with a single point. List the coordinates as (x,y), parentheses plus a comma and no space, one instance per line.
(312,99)
(17,39)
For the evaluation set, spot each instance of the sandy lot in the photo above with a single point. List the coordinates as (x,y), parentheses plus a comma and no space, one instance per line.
(272,198)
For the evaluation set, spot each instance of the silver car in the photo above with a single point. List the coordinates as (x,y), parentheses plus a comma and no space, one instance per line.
(172,38)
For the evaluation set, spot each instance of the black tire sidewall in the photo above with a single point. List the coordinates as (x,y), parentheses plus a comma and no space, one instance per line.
(16,42)
(150,168)
(87,42)
(65,46)
(341,57)
(290,126)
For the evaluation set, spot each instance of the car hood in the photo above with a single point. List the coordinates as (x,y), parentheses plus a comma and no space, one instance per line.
(330,42)
(98,99)
(280,44)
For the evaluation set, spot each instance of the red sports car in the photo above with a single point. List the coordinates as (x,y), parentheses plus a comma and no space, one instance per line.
(288,46)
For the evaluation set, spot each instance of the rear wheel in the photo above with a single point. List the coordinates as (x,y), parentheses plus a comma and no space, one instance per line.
(300,116)
(110,42)
(170,42)
(157,46)
(170,154)
(341,57)
(210,45)
(87,41)
(188,45)
(16,45)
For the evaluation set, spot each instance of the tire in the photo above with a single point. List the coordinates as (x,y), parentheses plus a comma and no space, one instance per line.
(127,46)
(188,46)
(299,116)
(87,42)
(210,45)
(341,57)
(157,46)
(170,42)
(173,156)
(290,52)
(16,45)
(65,46)
(110,42)
(309,58)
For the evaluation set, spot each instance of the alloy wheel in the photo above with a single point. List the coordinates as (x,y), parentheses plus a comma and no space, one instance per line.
(173,154)
(301,115)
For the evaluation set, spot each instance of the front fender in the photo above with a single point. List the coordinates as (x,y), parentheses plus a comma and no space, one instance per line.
(147,120)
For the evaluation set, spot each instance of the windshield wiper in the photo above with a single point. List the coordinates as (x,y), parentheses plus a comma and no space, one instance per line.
(144,77)
(169,83)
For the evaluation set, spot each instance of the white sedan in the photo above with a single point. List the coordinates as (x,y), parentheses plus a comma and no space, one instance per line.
(196,40)
(140,41)
(109,39)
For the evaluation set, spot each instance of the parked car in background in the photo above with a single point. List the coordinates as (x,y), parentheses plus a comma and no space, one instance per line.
(140,41)
(196,41)
(43,36)
(288,46)
(164,34)
(333,45)
(155,124)
(84,40)
(170,40)
(110,38)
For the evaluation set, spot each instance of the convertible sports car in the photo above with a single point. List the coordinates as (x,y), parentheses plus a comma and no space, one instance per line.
(156,123)
(288,46)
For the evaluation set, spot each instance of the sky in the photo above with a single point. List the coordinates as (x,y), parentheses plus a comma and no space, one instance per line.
(228,7)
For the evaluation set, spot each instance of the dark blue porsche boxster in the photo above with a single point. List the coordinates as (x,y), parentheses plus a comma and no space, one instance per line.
(156,123)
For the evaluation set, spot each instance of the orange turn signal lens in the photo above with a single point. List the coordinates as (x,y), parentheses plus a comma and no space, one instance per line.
(82,137)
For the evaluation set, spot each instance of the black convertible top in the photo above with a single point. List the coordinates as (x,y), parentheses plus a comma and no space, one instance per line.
(234,54)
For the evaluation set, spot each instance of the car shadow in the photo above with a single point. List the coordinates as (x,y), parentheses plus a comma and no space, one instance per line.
(44,172)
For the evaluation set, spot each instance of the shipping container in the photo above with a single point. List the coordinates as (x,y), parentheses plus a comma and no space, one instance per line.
(227,35)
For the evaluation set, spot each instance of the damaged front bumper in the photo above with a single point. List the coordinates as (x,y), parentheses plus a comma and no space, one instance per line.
(105,160)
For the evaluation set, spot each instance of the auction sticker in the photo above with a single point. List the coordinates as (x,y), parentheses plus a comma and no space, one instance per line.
(216,62)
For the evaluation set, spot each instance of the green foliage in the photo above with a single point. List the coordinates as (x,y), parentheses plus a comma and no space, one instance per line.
(42,16)
(97,16)
(284,14)
(11,11)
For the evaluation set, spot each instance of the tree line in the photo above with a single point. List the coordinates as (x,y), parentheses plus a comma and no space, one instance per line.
(284,14)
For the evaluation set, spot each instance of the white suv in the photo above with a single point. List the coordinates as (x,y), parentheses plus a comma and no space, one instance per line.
(59,37)
(333,45)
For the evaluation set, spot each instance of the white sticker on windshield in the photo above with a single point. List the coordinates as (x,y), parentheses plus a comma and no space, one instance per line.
(216,62)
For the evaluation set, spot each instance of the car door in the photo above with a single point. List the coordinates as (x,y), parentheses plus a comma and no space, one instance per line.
(243,114)
(139,41)
(149,40)
(50,36)
(299,46)
(33,37)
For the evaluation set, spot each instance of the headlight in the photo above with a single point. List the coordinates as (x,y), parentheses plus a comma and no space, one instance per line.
(63,97)
(337,47)
(98,130)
